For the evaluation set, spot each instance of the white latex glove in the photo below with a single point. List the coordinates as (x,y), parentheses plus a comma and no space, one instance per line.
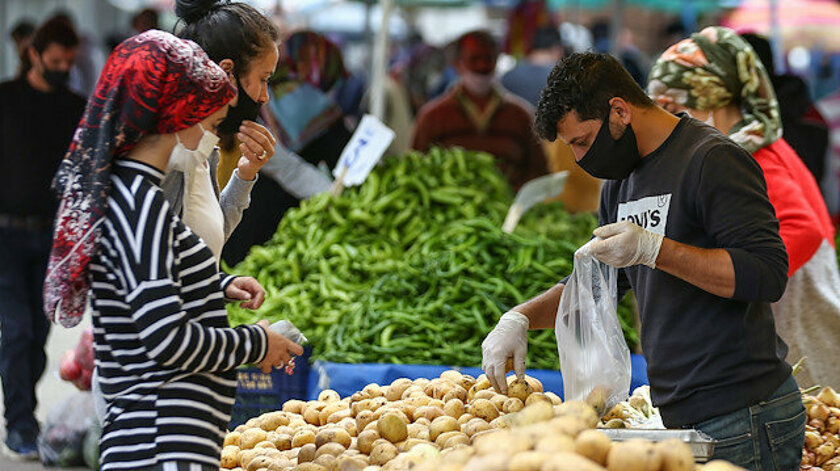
(624,244)
(508,340)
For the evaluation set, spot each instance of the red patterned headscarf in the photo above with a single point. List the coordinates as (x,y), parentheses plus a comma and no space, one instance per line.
(153,83)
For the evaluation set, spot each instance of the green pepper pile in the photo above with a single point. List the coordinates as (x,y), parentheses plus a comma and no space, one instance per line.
(412,266)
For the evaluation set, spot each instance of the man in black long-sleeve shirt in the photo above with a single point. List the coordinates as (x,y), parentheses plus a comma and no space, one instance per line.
(38,116)
(686,218)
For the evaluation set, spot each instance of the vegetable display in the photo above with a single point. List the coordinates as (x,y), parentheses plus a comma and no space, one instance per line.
(412,266)
(822,432)
(451,423)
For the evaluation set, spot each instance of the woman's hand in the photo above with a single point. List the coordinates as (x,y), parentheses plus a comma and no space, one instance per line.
(245,288)
(280,350)
(257,146)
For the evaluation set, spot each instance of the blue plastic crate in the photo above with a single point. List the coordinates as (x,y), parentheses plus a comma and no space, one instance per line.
(258,393)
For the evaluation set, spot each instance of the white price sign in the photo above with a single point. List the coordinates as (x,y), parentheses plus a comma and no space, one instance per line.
(366,147)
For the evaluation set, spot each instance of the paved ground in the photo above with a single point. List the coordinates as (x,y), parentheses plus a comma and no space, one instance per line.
(7,465)
(51,389)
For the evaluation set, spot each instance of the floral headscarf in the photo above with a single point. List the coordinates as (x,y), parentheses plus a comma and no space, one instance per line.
(311,57)
(712,69)
(153,83)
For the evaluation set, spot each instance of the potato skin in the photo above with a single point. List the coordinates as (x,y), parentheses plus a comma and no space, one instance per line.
(281,441)
(454,408)
(365,441)
(441,425)
(363,418)
(565,461)
(520,389)
(527,461)
(310,467)
(428,412)
(303,437)
(383,453)
(334,449)
(676,455)
(484,409)
(512,405)
(397,388)
(306,453)
(633,455)
(333,435)
(250,437)
(270,421)
(594,445)
(392,428)
(230,457)
(457,439)
(294,406)
(475,426)
(556,443)
(328,395)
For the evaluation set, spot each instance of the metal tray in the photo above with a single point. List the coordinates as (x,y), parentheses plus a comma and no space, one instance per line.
(702,445)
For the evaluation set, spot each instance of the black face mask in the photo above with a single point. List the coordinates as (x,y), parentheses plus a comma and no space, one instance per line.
(246,109)
(56,78)
(611,159)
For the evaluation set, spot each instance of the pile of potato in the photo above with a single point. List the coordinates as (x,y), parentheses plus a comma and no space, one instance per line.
(561,438)
(451,423)
(384,426)
(822,432)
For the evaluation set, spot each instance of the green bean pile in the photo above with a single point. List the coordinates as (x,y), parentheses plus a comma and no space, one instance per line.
(412,266)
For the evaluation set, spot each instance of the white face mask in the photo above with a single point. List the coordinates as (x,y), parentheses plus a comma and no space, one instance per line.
(477,84)
(184,160)
(200,209)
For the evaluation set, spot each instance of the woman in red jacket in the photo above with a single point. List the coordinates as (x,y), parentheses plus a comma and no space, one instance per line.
(716,77)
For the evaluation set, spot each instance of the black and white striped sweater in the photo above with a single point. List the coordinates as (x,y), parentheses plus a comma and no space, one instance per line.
(165,352)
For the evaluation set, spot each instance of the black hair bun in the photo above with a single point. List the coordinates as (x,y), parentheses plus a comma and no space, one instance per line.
(193,10)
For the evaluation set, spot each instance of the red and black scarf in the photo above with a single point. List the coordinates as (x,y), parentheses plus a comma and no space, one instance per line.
(153,83)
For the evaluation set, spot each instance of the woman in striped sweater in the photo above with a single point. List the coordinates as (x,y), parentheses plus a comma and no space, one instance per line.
(164,349)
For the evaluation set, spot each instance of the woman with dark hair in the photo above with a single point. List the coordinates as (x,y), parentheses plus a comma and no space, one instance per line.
(243,42)
(310,95)
(164,350)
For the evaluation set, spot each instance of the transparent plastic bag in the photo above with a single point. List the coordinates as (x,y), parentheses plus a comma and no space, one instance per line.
(288,330)
(291,332)
(77,365)
(594,358)
(62,438)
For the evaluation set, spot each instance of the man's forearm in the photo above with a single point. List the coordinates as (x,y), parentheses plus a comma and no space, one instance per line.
(542,310)
(708,269)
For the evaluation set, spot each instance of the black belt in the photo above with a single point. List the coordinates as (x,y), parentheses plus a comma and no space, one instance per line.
(32,223)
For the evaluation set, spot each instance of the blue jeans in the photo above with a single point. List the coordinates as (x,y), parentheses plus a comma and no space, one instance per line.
(23,324)
(767,436)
